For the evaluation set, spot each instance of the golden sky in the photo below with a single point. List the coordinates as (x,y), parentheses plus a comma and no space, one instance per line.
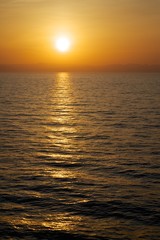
(102,31)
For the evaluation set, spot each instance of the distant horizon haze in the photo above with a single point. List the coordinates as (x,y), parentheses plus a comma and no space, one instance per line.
(83,68)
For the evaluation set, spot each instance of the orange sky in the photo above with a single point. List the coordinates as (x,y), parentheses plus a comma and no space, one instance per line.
(103,31)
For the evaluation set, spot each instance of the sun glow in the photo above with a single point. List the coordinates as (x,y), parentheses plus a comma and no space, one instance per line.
(62,44)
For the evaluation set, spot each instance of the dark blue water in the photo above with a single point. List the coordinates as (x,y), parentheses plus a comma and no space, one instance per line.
(80,156)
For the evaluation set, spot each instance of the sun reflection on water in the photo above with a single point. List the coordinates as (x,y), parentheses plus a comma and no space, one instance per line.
(61,133)
(63,114)
(62,222)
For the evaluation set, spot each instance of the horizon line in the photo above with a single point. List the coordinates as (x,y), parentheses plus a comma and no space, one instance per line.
(43,67)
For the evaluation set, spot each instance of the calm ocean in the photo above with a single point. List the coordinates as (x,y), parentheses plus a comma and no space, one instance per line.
(80,156)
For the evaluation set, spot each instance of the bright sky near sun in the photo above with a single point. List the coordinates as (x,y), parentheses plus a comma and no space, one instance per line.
(95,32)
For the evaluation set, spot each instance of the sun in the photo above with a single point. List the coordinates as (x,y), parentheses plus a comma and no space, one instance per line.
(62,44)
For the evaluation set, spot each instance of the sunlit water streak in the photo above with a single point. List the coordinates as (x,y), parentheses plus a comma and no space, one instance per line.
(79,156)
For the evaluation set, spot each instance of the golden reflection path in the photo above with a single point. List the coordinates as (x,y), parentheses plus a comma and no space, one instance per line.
(64,129)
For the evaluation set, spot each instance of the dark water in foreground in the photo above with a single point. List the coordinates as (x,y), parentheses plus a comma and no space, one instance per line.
(80,156)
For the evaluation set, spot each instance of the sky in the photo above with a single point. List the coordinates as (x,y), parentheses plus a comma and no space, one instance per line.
(102,32)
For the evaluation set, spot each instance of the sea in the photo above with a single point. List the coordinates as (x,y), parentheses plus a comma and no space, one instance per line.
(80,156)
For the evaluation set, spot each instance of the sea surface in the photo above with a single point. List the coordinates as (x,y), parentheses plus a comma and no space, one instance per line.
(80,156)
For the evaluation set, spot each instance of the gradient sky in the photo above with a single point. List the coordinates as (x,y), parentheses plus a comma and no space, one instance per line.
(103,31)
